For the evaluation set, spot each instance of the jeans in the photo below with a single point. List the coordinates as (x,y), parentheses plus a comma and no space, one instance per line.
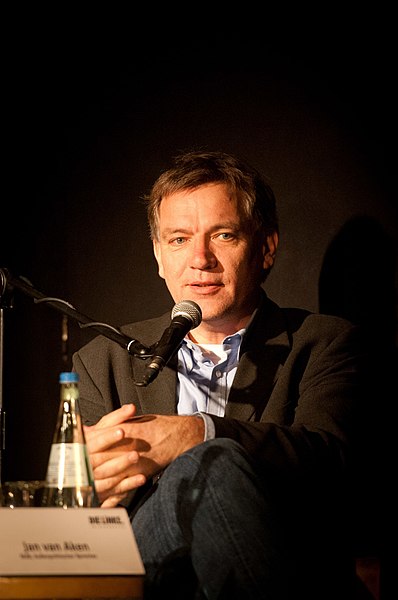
(210,529)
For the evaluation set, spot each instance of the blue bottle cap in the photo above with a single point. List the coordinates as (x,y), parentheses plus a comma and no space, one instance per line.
(68,377)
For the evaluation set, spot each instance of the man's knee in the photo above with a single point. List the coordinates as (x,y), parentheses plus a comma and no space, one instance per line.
(218,460)
(218,447)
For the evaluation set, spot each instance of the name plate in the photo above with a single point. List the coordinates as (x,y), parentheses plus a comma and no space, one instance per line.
(76,541)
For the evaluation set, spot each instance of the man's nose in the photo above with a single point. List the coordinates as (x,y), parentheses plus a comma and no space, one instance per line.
(202,256)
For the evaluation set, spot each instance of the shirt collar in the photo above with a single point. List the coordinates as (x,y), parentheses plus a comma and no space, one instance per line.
(191,353)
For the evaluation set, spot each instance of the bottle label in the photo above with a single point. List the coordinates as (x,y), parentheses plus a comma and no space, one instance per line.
(68,466)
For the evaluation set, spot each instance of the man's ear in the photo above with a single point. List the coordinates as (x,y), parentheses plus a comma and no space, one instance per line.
(269,250)
(158,255)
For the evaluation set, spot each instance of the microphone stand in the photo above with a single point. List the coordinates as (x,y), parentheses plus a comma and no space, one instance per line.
(2,413)
(7,285)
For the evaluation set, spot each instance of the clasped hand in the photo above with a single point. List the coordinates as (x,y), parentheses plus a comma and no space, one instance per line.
(126,450)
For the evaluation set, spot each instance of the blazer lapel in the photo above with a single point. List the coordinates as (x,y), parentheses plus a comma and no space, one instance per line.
(263,353)
(159,397)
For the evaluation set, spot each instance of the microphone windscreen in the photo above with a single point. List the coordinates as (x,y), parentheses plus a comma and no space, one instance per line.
(188,309)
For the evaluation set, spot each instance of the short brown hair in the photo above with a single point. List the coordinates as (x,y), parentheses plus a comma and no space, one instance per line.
(193,169)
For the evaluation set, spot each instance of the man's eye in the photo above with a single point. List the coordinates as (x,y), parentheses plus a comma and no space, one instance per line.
(177,241)
(226,235)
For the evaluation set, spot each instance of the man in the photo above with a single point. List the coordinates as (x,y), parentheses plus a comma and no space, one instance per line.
(235,461)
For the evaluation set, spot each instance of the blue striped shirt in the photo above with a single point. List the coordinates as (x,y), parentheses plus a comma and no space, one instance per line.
(205,375)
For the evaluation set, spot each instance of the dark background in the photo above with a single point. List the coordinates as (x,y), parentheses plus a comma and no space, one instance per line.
(91,116)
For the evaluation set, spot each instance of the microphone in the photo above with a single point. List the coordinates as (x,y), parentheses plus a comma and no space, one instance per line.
(186,315)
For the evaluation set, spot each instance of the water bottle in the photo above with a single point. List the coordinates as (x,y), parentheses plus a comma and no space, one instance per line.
(69,478)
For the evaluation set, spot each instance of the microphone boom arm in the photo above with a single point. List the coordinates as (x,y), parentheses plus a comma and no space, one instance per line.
(8,283)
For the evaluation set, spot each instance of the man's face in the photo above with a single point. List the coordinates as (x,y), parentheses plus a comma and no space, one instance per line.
(206,254)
